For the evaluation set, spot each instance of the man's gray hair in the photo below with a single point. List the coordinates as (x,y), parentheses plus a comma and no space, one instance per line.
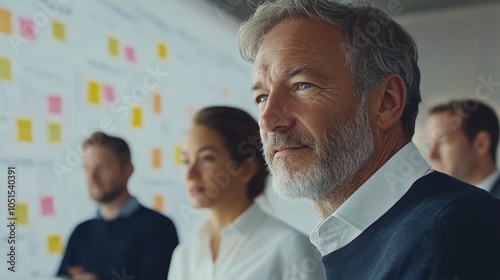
(375,45)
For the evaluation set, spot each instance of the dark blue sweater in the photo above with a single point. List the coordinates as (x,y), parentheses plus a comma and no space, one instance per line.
(440,229)
(140,245)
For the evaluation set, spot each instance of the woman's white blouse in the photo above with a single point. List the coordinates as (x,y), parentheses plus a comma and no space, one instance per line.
(255,246)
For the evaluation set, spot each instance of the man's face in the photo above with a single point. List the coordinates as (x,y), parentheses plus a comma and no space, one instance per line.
(315,135)
(451,151)
(106,176)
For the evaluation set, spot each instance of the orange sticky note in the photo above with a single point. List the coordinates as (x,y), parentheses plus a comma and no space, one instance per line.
(178,157)
(59,30)
(21,213)
(5,69)
(5,21)
(113,46)
(93,96)
(158,203)
(54,244)
(27,28)
(156,158)
(47,206)
(24,130)
(54,130)
(157,103)
(137,117)
(162,51)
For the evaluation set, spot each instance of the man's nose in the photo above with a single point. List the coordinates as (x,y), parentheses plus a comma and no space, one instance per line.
(276,114)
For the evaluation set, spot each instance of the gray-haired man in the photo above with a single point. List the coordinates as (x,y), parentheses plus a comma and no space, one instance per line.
(337,87)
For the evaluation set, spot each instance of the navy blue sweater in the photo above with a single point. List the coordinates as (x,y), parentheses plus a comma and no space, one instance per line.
(140,245)
(440,229)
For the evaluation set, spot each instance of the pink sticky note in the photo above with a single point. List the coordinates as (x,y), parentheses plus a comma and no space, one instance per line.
(130,53)
(109,93)
(55,104)
(27,28)
(47,204)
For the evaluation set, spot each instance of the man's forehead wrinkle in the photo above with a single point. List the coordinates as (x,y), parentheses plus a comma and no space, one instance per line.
(283,70)
(297,70)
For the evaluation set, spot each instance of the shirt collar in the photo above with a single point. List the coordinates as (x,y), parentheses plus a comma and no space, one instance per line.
(127,209)
(488,182)
(242,225)
(373,198)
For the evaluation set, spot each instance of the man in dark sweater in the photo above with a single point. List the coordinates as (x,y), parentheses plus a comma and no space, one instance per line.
(125,240)
(338,89)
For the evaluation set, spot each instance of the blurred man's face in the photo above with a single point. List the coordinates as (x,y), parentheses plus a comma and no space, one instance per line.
(315,135)
(451,151)
(106,176)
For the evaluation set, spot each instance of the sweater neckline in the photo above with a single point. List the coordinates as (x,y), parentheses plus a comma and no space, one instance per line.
(358,243)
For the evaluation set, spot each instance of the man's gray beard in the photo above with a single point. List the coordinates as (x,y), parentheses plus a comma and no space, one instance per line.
(338,158)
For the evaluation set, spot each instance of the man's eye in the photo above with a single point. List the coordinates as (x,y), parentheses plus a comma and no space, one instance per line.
(185,162)
(302,86)
(260,99)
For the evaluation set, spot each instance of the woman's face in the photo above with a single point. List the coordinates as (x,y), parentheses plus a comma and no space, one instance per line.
(212,177)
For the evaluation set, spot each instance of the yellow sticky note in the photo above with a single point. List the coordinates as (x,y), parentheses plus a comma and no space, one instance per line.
(5,21)
(162,51)
(137,117)
(113,46)
(158,203)
(5,69)
(178,157)
(156,103)
(24,130)
(54,132)
(21,213)
(59,30)
(54,244)
(94,95)
(156,158)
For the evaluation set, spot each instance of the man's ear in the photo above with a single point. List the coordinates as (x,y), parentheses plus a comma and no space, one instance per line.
(129,169)
(389,101)
(482,143)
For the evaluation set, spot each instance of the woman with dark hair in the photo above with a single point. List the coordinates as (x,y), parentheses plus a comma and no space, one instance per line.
(225,172)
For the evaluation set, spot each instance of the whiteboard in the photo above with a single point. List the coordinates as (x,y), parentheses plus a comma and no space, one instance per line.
(138,70)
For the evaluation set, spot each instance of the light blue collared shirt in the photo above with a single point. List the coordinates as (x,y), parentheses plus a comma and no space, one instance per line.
(127,209)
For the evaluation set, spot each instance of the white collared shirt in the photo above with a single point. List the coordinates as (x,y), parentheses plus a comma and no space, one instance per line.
(371,200)
(488,182)
(255,246)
